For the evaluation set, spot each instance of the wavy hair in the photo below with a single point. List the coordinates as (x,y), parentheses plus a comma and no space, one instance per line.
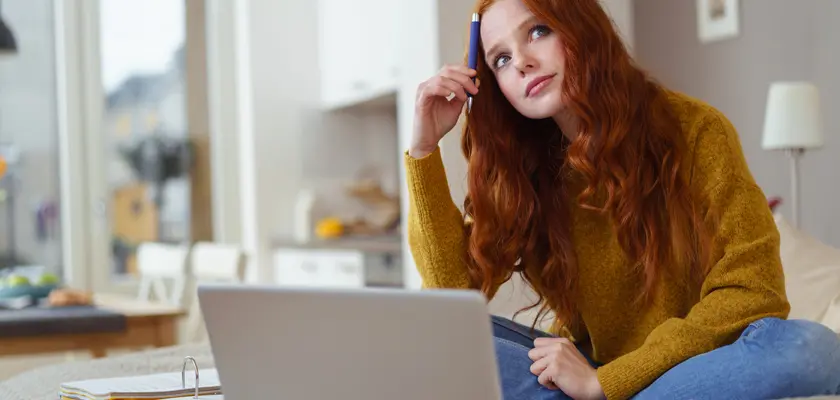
(630,154)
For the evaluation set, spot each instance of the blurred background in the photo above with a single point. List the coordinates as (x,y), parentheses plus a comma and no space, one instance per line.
(276,129)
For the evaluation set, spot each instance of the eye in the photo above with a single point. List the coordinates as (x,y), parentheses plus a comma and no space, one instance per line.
(539,31)
(500,61)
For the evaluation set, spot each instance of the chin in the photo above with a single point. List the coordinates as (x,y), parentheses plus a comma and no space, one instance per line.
(541,111)
(540,108)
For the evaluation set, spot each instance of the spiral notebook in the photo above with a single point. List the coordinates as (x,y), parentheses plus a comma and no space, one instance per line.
(204,384)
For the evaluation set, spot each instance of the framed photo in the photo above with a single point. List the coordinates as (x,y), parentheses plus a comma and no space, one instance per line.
(717,19)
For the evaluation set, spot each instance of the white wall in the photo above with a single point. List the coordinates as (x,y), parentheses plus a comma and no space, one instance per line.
(621,12)
(294,144)
(225,91)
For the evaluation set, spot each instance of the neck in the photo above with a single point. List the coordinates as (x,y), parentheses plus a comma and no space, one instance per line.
(568,124)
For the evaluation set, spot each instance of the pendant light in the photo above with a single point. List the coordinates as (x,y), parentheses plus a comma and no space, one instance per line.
(8,44)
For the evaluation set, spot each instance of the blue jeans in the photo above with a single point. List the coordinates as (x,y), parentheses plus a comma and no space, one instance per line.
(773,358)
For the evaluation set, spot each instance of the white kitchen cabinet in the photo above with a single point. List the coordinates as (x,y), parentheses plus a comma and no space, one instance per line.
(357,51)
(319,268)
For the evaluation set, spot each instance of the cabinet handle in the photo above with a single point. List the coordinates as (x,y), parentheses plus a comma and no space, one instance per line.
(348,268)
(308,267)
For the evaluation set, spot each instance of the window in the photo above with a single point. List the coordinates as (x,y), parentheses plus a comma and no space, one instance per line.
(145,126)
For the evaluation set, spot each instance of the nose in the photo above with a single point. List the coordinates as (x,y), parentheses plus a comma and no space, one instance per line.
(524,62)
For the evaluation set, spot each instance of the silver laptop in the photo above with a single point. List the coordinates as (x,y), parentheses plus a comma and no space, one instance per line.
(353,344)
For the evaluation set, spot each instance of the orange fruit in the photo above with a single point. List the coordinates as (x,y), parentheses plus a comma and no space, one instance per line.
(329,228)
(2,166)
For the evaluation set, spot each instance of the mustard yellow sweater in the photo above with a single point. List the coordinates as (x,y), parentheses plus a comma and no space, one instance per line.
(637,345)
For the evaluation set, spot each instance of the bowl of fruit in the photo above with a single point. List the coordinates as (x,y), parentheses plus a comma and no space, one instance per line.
(15,285)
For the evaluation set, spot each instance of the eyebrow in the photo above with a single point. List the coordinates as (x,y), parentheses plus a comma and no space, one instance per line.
(493,49)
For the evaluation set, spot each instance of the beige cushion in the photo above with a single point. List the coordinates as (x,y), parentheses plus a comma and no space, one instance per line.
(831,318)
(812,276)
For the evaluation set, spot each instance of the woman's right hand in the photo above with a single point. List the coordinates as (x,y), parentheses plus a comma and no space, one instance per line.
(435,113)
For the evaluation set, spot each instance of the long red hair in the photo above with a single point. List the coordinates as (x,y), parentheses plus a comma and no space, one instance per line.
(629,150)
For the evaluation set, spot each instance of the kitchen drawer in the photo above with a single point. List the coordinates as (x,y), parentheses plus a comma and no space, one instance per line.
(345,269)
(320,268)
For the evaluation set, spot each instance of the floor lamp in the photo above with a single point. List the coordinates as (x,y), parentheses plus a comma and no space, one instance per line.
(793,123)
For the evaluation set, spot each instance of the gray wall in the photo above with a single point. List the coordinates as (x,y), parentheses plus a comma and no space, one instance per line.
(779,40)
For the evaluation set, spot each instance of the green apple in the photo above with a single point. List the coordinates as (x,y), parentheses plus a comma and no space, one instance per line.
(48,280)
(17,280)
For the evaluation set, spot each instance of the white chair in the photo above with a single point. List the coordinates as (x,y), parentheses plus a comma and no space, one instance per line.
(163,272)
(212,262)
(216,262)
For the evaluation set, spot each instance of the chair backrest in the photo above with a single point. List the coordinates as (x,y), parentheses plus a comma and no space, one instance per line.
(217,262)
(212,262)
(161,265)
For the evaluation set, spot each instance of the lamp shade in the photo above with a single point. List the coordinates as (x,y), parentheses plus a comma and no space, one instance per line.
(793,119)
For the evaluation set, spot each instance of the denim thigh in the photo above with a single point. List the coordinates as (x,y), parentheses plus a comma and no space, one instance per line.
(773,358)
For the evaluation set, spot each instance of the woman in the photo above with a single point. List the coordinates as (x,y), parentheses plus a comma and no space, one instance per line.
(628,208)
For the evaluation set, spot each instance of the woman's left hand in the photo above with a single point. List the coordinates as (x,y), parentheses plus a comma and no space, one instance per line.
(559,365)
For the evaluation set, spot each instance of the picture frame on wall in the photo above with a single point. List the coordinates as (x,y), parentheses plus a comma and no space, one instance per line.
(717,20)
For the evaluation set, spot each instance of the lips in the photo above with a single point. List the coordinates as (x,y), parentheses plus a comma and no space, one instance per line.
(535,86)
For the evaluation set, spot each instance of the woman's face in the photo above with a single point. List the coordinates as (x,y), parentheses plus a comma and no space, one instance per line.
(526,57)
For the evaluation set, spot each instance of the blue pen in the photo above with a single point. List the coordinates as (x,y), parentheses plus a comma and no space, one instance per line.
(472,60)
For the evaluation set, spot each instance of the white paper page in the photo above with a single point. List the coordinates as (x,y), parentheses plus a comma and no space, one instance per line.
(208,397)
(151,384)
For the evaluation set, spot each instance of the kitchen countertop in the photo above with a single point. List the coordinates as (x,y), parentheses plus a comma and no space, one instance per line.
(367,244)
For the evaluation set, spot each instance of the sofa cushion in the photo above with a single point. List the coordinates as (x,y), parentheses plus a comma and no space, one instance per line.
(831,318)
(812,275)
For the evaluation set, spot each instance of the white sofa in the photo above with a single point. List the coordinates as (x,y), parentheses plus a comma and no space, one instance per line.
(812,276)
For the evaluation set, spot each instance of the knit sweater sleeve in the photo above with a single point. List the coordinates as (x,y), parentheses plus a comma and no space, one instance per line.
(435,225)
(745,284)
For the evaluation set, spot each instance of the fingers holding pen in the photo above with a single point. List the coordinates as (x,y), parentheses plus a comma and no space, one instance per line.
(462,75)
